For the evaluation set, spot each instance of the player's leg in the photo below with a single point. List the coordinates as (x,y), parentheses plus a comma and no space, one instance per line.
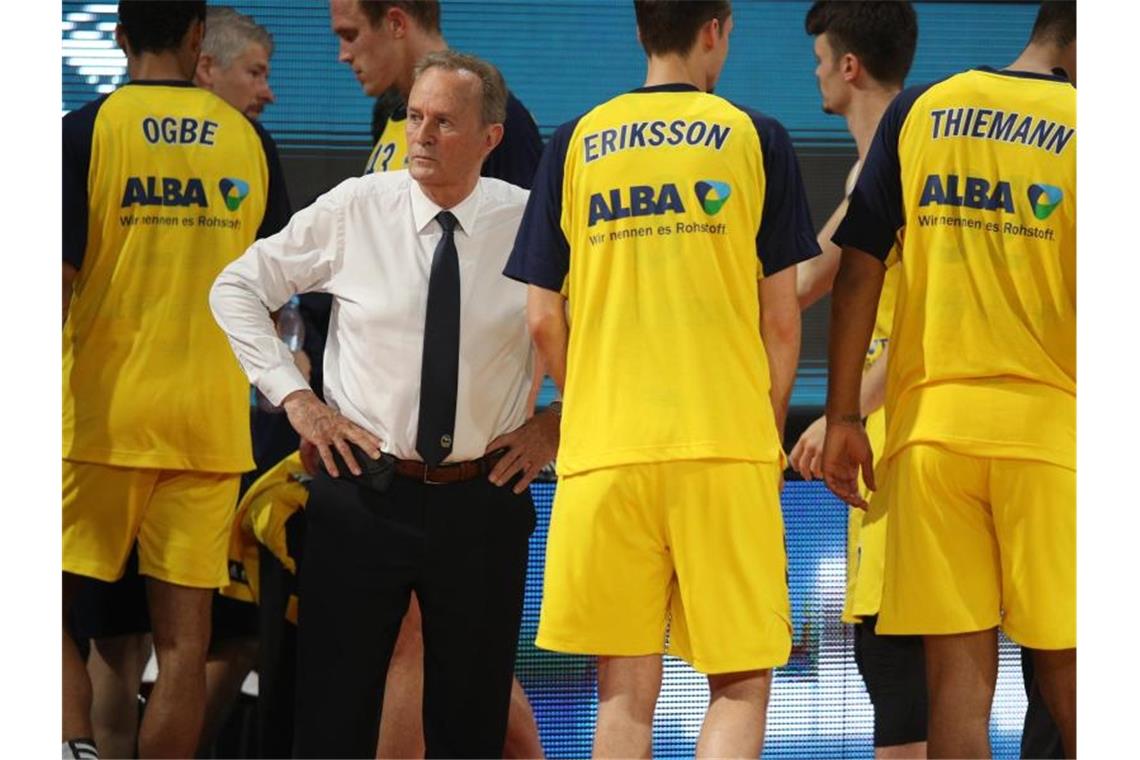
(183,542)
(401,718)
(1035,514)
(894,671)
(730,614)
(608,524)
(113,617)
(961,672)
(230,658)
(180,621)
(942,580)
(522,729)
(102,508)
(627,693)
(737,715)
(116,666)
(76,682)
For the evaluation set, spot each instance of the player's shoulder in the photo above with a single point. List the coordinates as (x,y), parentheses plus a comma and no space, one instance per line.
(769,129)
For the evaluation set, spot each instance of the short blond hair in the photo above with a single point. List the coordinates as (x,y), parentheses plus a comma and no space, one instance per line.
(494,88)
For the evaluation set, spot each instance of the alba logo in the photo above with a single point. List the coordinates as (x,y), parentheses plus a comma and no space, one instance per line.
(1044,199)
(233,192)
(712,195)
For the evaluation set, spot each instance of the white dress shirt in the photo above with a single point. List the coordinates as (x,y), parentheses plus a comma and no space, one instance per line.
(369,242)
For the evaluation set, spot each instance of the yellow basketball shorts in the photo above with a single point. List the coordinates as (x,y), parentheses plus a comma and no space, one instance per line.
(977,542)
(685,558)
(181,520)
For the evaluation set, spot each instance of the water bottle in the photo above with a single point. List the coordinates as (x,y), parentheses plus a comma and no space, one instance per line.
(290,325)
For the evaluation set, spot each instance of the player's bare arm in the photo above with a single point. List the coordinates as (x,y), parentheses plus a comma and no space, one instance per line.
(550,330)
(325,428)
(815,276)
(780,330)
(855,299)
(807,455)
(70,274)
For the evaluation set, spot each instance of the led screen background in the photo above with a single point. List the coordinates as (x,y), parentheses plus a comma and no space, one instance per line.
(560,58)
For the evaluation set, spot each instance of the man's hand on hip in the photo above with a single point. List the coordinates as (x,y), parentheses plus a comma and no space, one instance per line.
(326,428)
(529,448)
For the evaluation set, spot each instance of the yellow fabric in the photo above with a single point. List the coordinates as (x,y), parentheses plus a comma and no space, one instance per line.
(999,280)
(390,153)
(180,519)
(866,531)
(698,298)
(261,518)
(974,542)
(148,377)
(638,552)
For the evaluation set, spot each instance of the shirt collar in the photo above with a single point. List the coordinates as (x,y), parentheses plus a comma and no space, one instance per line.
(424,209)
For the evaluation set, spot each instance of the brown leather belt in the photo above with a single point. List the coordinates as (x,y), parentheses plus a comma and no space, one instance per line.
(448,473)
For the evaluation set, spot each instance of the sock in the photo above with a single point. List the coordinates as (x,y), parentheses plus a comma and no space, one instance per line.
(80,749)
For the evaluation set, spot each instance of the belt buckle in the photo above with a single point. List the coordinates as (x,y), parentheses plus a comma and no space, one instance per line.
(428,481)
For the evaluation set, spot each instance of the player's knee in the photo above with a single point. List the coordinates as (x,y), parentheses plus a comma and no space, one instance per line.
(749,686)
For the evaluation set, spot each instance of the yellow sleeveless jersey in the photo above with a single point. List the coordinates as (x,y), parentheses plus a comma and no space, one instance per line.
(163,185)
(979,171)
(656,214)
(513,160)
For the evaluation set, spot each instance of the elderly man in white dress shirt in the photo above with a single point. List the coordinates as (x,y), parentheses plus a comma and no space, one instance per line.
(427,444)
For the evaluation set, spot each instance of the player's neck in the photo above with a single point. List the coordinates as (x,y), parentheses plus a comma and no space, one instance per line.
(1041,58)
(673,69)
(863,114)
(157,66)
(419,45)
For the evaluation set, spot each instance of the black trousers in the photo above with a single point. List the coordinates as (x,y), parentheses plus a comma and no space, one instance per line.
(462,548)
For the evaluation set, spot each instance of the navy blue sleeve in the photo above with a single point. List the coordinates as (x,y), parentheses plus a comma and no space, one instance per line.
(875,211)
(786,235)
(541,255)
(78,131)
(277,207)
(516,158)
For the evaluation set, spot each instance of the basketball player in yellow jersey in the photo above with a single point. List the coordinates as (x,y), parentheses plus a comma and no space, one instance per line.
(381,40)
(163,185)
(979,465)
(863,52)
(669,221)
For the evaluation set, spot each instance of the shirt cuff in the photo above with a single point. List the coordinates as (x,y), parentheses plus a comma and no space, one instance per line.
(279,382)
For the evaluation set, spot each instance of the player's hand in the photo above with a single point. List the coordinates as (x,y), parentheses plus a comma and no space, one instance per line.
(807,455)
(325,429)
(846,451)
(529,448)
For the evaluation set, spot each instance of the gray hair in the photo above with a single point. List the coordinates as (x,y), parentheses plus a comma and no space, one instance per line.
(229,32)
(494,86)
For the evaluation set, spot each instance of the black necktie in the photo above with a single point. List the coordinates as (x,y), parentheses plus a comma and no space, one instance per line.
(439,374)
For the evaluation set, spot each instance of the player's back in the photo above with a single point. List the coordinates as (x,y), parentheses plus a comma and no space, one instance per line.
(175,183)
(984,346)
(662,200)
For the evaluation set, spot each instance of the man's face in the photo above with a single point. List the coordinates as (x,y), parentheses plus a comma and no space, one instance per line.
(244,84)
(447,139)
(832,89)
(372,52)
